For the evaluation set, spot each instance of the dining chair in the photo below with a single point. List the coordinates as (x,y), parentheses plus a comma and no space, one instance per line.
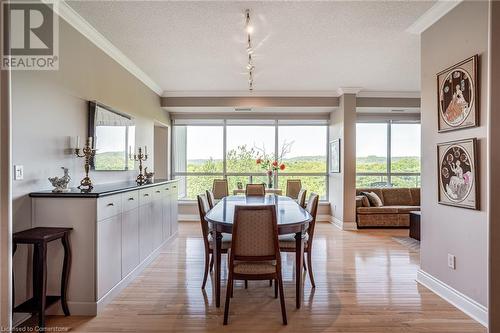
(220,188)
(301,198)
(287,242)
(255,252)
(210,199)
(255,190)
(293,187)
(203,208)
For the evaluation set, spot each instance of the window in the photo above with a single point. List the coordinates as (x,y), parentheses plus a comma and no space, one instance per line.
(229,150)
(387,154)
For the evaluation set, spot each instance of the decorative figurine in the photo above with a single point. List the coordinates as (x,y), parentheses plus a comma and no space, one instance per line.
(149,176)
(61,184)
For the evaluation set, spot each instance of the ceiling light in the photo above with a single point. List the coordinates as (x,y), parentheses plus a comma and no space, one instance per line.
(250,66)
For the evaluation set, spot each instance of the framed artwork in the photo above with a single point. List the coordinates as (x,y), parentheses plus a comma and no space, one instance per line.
(335,156)
(458,96)
(458,174)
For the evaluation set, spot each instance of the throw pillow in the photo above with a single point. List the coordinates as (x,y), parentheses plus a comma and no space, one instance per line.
(364,200)
(374,199)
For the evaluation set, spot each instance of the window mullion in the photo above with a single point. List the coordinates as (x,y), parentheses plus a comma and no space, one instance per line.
(224,148)
(389,155)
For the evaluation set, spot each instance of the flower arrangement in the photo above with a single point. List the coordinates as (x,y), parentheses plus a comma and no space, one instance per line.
(272,166)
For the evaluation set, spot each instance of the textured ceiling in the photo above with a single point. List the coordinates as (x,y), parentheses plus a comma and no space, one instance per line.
(302,46)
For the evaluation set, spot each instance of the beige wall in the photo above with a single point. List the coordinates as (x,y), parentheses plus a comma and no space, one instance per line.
(494,124)
(342,186)
(50,106)
(460,34)
(161,152)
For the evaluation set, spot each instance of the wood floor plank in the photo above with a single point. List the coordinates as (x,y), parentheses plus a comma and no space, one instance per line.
(365,283)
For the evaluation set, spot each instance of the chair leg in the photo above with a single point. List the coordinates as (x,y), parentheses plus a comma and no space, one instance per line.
(205,275)
(275,288)
(211,263)
(270,283)
(309,265)
(282,298)
(246,284)
(229,292)
(304,261)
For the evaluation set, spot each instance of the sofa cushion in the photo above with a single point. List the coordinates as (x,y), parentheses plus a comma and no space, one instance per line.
(377,210)
(377,191)
(415,196)
(397,197)
(406,209)
(374,199)
(362,201)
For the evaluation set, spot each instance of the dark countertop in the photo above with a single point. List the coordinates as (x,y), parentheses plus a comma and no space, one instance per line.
(100,190)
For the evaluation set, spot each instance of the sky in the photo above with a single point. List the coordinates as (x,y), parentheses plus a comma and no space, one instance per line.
(371,139)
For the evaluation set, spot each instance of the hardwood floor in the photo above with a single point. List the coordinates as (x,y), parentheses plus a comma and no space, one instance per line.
(365,282)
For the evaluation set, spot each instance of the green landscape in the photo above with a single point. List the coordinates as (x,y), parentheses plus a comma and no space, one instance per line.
(242,160)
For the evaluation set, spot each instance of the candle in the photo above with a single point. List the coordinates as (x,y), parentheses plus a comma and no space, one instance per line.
(145,150)
(77,142)
(90,141)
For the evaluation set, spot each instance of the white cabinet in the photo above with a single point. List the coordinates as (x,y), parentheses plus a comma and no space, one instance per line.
(109,249)
(130,241)
(174,210)
(157,218)
(166,215)
(115,235)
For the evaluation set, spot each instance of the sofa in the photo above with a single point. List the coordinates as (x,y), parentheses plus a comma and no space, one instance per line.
(397,203)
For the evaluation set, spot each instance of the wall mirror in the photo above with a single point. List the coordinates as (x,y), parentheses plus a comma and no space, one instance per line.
(112,133)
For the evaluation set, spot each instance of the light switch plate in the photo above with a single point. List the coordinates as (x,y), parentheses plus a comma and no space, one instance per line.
(18,172)
(451,261)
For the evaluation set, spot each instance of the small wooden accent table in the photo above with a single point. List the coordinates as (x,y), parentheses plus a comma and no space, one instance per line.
(39,238)
(415,225)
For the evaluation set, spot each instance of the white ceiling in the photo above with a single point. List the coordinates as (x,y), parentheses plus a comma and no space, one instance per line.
(302,46)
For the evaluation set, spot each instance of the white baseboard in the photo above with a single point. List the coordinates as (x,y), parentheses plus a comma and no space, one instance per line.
(93,308)
(323,218)
(343,225)
(464,303)
(18,318)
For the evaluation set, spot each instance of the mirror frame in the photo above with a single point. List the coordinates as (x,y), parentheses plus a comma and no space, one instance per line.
(91,126)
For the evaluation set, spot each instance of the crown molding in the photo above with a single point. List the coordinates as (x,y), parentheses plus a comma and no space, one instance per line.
(432,15)
(86,29)
(390,94)
(348,90)
(246,93)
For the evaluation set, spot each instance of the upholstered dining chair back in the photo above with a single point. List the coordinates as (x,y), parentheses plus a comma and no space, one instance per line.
(293,187)
(301,198)
(220,188)
(312,208)
(255,190)
(203,208)
(210,199)
(255,233)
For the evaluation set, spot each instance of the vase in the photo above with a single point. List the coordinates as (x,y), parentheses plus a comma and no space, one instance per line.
(269,181)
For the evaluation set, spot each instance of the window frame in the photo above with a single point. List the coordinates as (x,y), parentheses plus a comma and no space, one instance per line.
(276,123)
(389,174)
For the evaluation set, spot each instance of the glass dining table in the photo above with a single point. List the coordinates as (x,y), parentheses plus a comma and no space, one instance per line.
(291,218)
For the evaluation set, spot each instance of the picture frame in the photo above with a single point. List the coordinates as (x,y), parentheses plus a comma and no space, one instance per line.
(458,182)
(335,156)
(458,96)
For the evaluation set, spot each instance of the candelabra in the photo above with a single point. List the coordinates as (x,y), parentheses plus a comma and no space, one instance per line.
(87,153)
(140,157)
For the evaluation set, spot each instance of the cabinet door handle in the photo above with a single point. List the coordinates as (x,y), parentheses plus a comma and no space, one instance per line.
(166,189)
(146,194)
(111,204)
(174,186)
(158,191)
(130,199)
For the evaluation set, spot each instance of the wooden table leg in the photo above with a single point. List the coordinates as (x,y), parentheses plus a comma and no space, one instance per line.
(40,280)
(299,257)
(65,273)
(217,257)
